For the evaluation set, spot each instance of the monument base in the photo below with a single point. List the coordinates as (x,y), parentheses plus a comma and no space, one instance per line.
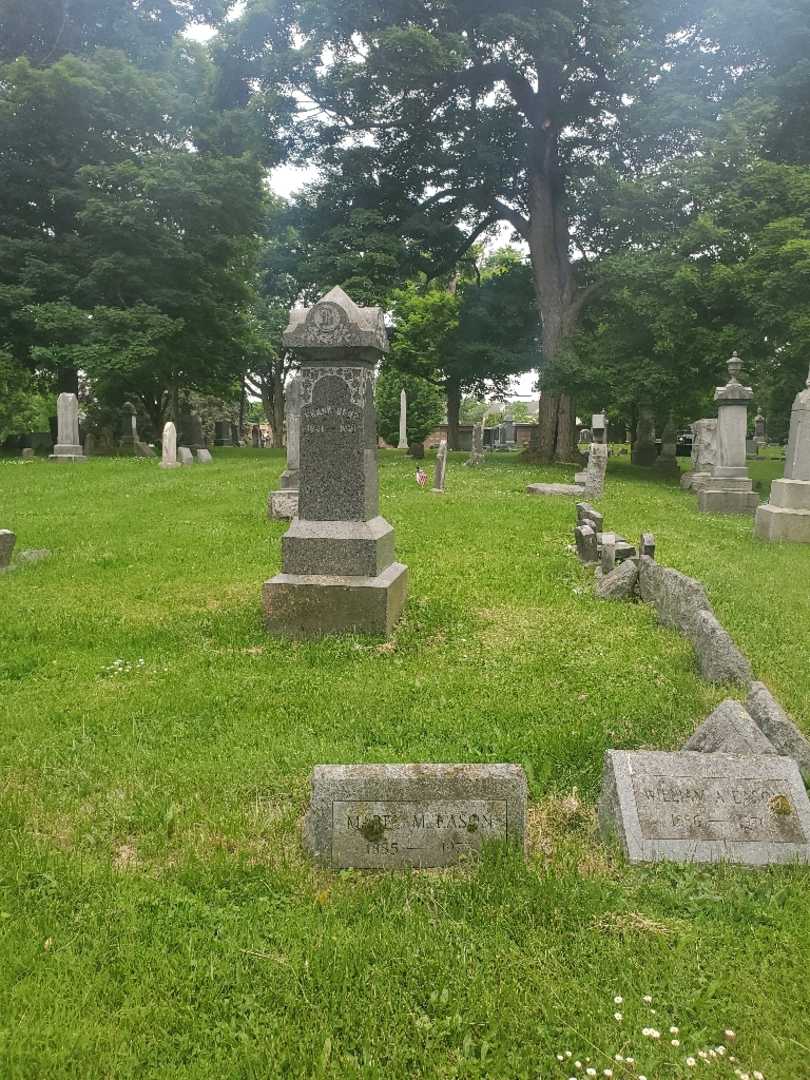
(67,452)
(556,489)
(723,501)
(313,605)
(283,505)
(787,515)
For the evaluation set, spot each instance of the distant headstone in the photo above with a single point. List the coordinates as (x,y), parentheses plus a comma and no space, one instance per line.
(192,429)
(222,433)
(7,541)
(169,447)
(608,561)
(203,457)
(27,453)
(403,421)
(339,572)
(68,447)
(255,437)
(441,468)
(284,502)
(587,514)
(184,456)
(704,454)
(667,460)
(397,816)
(477,453)
(417,451)
(644,451)
(787,513)
(595,469)
(703,808)
(129,438)
(585,436)
(236,435)
(599,428)
(730,730)
(646,545)
(729,490)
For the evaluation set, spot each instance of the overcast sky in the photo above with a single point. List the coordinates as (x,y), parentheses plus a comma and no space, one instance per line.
(287,179)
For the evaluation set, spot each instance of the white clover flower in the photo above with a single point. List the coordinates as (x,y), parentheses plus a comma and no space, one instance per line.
(758,1075)
(560,1057)
(673,1031)
(590,1072)
(618,1000)
(720,1050)
(577,1064)
(568,1053)
(651,1033)
(618,1057)
(641,1076)
(691,1062)
(712,1053)
(629,1061)
(618,1016)
(647,999)
(729,1034)
(607,1072)
(703,1054)
(676,1042)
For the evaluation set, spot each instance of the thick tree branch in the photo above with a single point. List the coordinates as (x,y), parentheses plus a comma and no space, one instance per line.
(516,220)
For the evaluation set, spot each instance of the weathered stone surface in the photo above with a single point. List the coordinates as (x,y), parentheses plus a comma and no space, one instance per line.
(402,816)
(714,501)
(282,505)
(677,598)
(719,659)
(292,420)
(27,453)
(337,556)
(667,460)
(775,723)
(619,584)
(203,456)
(595,470)
(184,456)
(608,552)
(586,513)
(169,447)
(729,489)
(555,489)
(403,421)
(310,606)
(68,446)
(477,453)
(587,547)
(704,446)
(441,468)
(7,541)
(624,550)
(34,555)
(704,808)
(729,730)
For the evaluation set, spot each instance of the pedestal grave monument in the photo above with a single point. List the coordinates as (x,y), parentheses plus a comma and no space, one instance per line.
(68,447)
(338,569)
(730,491)
(787,514)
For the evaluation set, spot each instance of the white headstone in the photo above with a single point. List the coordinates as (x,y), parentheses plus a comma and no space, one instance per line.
(68,447)
(169,446)
(441,467)
(787,515)
(184,455)
(403,421)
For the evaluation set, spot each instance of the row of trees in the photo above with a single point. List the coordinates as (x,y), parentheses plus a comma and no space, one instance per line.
(651,158)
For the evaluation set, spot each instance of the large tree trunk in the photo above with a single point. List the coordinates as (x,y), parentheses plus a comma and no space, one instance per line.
(557,300)
(453,411)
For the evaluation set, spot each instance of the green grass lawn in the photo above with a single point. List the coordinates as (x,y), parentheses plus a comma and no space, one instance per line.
(157,915)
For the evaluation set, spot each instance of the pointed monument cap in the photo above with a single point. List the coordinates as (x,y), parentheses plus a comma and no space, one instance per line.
(336,322)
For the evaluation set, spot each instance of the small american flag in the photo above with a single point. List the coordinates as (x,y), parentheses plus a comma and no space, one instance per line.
(421,477)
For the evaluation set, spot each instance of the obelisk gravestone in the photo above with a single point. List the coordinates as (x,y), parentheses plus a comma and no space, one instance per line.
(338,569)
(403,421)
(441,468)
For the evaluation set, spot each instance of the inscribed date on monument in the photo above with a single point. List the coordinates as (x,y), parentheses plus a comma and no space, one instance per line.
(695,807)
(393,833)
(409,816)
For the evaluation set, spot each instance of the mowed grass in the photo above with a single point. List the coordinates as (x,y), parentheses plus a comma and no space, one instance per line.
(157,915)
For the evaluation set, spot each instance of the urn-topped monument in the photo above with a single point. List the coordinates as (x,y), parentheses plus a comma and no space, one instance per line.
(338,569)
(729,489)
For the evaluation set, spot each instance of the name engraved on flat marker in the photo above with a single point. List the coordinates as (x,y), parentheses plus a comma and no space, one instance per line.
(396,833)
(739,810)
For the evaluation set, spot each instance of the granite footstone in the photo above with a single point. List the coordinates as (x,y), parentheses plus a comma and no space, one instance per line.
(586,544)
(730,730)
(396,817)
(691,807)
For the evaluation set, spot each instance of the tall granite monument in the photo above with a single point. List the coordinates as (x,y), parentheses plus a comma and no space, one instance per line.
(338,569)
(284,502)
(730,491)
(68,445)
(403,421)
(787,514)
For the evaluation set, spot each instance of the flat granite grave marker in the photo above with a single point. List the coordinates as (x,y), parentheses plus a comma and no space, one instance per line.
(692,807)
(393,817)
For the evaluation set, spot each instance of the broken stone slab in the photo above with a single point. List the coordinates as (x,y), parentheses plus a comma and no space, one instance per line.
(775,723)
(608,552)
(719,659)
(624,550)
(7,541)
(677,598)
(555,489)
(730,730)
(587,548)
(396,817)
(689,807)
(587,514)
(619,584)
(646,545)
